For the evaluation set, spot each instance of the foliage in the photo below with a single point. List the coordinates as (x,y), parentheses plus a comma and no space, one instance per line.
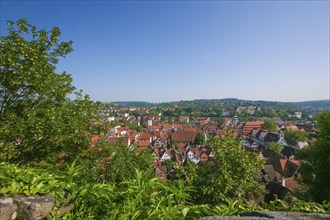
(139,198)
(136,127)
(112,181)
(26,181)
(35,110)
(113,163)
(233,174)
(292,137)
(315,166)
(270,125)
(199,139)
(297,206)
(275,146)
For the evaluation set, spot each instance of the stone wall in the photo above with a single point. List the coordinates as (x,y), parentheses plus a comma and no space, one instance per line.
(30,207)
(272,215)
(38,207)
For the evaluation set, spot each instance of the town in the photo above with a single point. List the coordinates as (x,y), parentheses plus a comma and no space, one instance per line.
(273,134)
(164,110)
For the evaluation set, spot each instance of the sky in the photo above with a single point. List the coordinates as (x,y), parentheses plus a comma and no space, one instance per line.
(159,51)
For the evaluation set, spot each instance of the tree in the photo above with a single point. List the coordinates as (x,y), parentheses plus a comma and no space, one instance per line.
(292,137)
(115,162)
(199,139)
(275,146)
(315,161)
(233,174)
(270,125)
(282,113)
(35,109)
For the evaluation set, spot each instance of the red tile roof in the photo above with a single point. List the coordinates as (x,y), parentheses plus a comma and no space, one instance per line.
(184,136)
(144,136)
(96,138)
(250,125)
(144,143)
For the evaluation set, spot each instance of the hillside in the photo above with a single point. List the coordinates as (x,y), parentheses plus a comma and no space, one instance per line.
(315,104)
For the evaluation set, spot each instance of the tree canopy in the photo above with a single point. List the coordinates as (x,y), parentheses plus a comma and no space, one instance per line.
(275,146)
(270,125)
(292,137)
(315,167)
(233,173)
(36,113)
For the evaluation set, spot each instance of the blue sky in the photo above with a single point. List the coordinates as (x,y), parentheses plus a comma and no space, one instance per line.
(182,50)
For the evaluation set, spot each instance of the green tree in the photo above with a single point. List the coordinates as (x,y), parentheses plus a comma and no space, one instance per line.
(233,174)
(282,112)
(114,163)
(292,137)
(275,146)
(199,139)
(315,161)
(35,109)
(270,125)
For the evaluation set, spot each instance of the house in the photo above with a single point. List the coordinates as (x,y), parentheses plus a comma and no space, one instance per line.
(302,144)
(182,153)
(250,125)
(263,137)
(186,137)
(204,156)
(226,122)
(286,168)
(235,119)
(154,127)
(226,112)
(210,128)
(144,140)
(172,127)
(122,131)
(167,155)
(161,172)
(202,120)
(96,138)
(183,119)
(250,109)
(190,155)
(160,143)
(249,143)
(298,114)
(194,155)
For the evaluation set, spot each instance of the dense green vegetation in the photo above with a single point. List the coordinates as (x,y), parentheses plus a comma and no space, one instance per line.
(45,149)
(315,167)
(206,103)
(35,111)
(292,137)
(270,125)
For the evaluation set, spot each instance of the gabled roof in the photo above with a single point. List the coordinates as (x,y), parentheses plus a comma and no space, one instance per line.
(161,169)
(250,125)
(262,134)
(285,167)
(181,145)
(271,137)
(96,138)
(144,143)
(254,132)
(168,152)
(144,136)
(184,136)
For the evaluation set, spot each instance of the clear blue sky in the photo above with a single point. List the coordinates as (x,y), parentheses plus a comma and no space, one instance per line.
(169,50)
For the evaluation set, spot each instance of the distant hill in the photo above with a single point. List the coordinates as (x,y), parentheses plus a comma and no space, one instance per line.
(317,104)
(321,104)
(135,104)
